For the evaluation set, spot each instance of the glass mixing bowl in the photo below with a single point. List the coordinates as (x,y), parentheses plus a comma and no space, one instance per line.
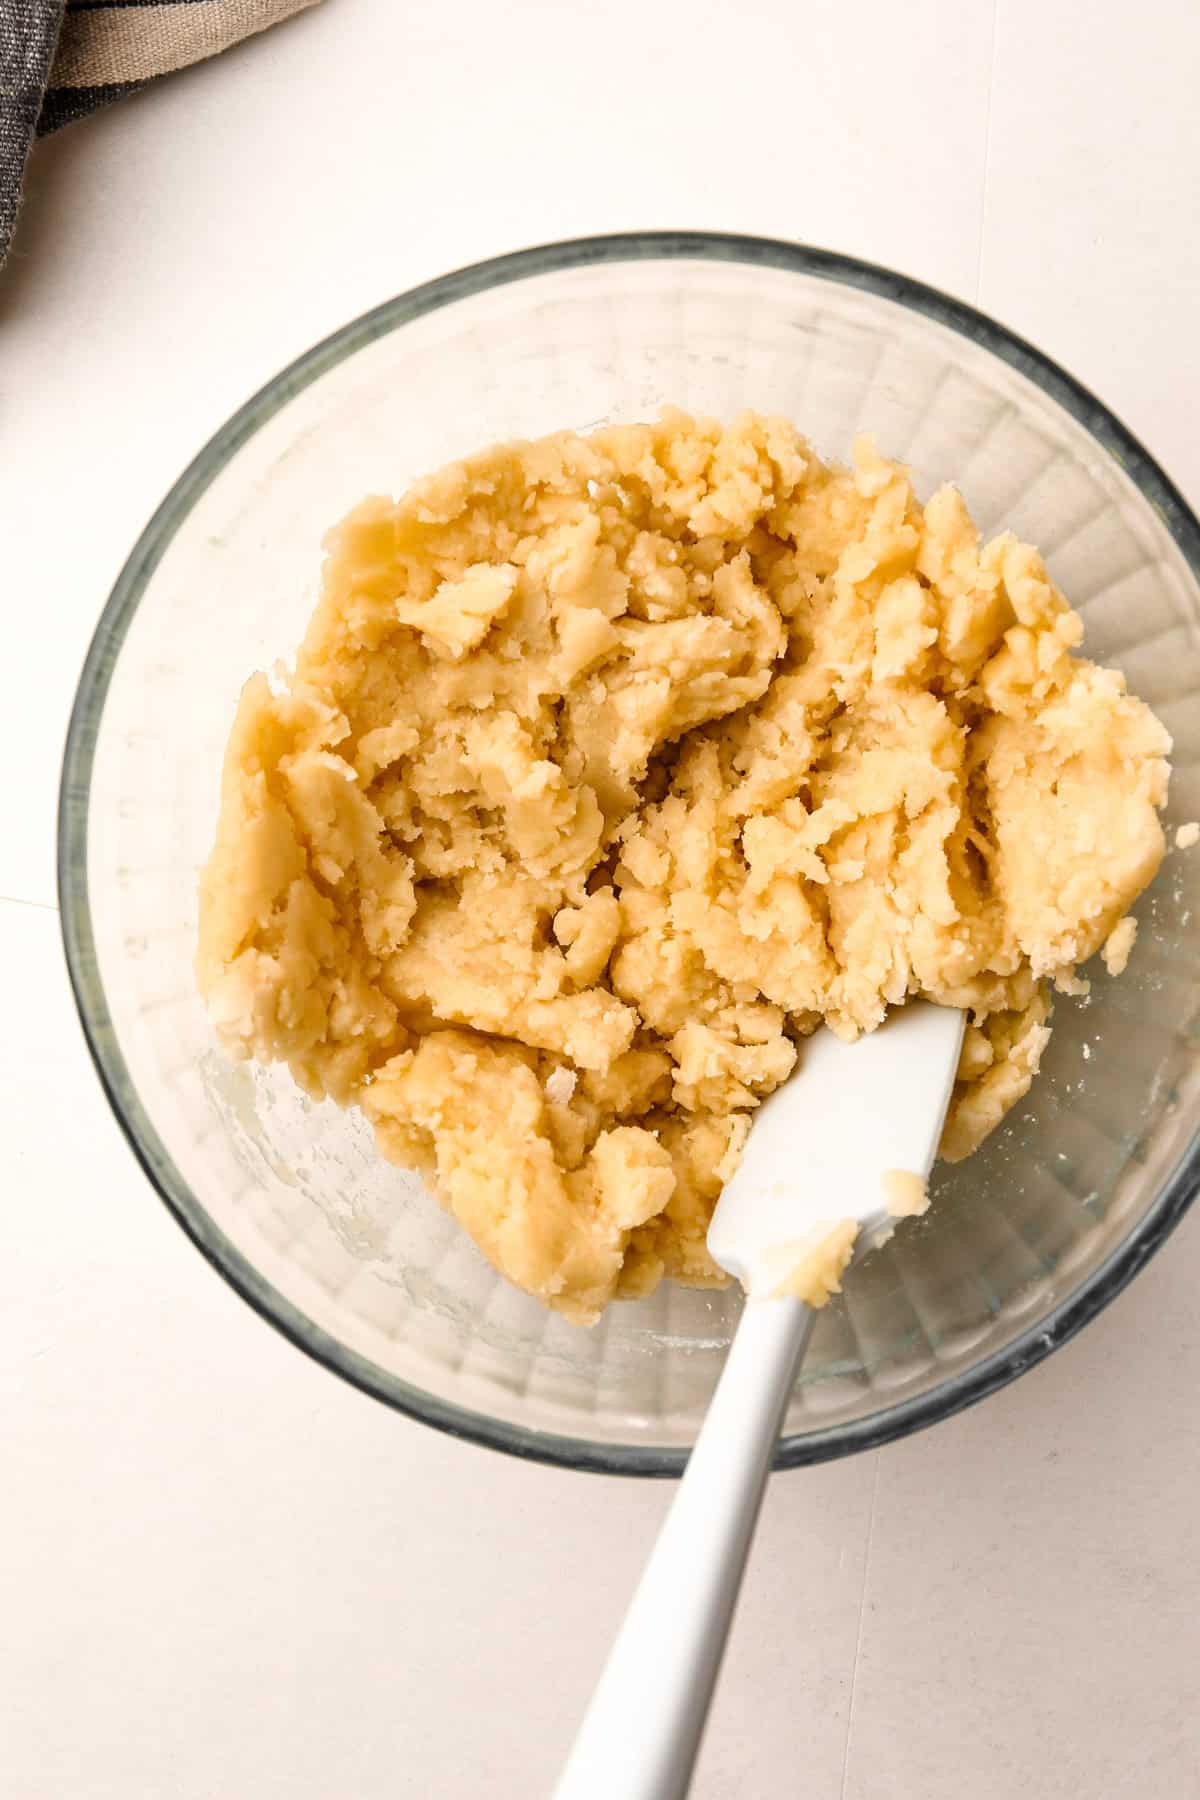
(351,1258)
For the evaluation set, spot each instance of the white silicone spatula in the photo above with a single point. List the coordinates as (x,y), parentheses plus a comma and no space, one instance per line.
(853,1131)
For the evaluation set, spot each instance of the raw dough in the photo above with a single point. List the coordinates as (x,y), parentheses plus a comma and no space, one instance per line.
(810,1268)
(610,767)
(907,1193)
(1117,947)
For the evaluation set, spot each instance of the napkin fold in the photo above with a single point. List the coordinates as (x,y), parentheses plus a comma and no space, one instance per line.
(61,59)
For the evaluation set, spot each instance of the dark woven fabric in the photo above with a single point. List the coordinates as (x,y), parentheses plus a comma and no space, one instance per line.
(59,62)
(62,106)
(28,34)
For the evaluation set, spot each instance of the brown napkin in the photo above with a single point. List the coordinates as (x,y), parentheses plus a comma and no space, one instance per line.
(60,61)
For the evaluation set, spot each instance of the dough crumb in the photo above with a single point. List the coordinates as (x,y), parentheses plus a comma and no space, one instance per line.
(1187,835)
(560,1085)
(610,767)
(1118,946)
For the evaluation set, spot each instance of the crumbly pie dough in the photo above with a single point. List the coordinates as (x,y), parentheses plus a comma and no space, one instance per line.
(609,768)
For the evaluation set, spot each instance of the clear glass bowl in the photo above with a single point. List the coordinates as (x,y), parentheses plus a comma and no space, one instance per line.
(352,1259)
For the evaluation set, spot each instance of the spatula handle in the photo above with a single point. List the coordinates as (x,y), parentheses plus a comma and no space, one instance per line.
(642,1730)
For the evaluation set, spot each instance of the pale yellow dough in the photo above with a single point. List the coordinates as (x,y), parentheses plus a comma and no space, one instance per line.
(810,1268)
(906,1192)
(609,768)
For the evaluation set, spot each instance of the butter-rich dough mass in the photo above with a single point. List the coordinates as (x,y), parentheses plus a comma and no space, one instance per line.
(609,768)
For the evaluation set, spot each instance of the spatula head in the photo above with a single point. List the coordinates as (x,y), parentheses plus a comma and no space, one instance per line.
(851,1135)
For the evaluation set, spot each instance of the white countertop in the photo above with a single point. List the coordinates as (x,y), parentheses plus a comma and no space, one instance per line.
(225,1575)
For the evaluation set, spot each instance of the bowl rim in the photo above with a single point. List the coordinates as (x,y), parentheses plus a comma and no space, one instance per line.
(897,1419)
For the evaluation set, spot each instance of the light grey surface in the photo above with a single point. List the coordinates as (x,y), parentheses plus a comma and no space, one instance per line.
(231,1577)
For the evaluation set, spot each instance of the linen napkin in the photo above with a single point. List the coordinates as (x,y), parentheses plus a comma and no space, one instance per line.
(61,59)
